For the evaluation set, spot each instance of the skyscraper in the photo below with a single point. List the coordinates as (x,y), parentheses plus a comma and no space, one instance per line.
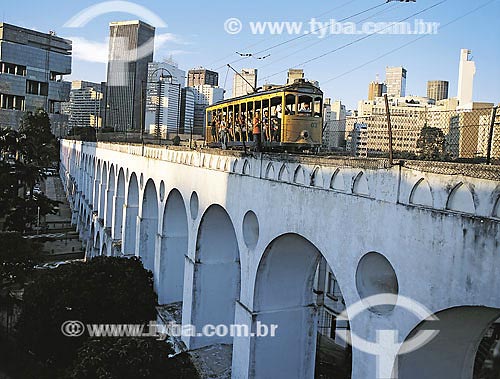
(466,74)
(437,89)
(334,122)
(375,89)
(201,76)
(32,67)
(204,96)
(244,81)
(131,46)
(395,80)
(163,98)
(86,104)
(187,111)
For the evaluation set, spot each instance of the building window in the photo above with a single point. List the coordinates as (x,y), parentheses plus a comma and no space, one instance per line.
(56,76)
(54,106)
(37,88)
(333,326)
(44,89)
(12,102)
(12,69)
(331,288)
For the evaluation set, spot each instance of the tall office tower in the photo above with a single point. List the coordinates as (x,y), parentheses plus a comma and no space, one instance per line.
(334,122)
(131,46)
(395,80)
(32,66)
(294,74)
(163,98)
(204,96)
(466,74)
(244,81)
(86,104)
(437,89)
(375,89)
(201,76)
(187,111)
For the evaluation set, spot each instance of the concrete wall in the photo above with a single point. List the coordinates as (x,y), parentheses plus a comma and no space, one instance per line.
(439,234)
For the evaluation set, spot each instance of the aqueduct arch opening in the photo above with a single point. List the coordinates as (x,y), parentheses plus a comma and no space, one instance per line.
(452,353)
(148,226)
(217,277)
(118,206)
(131,213)
(290,293)
(173,249)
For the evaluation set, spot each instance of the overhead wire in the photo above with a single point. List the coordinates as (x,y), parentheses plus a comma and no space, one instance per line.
(267,39)
(356,40)
(260,52)
(393,5)
(408,43)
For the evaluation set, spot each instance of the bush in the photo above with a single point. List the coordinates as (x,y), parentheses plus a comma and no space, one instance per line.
(18,256)
(105,290)
(122,358)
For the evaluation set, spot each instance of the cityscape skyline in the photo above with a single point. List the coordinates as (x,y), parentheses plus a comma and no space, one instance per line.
(433,58)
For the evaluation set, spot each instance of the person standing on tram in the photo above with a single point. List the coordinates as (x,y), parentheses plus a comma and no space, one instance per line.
(213,128)
(256,131)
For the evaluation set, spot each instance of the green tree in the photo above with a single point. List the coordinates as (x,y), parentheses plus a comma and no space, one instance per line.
(39,146)
(106,290)
(23,155)
(431,143)
(18,256)
(24,212)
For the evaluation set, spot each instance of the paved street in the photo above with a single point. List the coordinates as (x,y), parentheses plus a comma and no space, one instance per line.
(64,238)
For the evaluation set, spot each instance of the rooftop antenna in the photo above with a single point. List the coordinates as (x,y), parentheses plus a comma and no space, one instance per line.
(377,78)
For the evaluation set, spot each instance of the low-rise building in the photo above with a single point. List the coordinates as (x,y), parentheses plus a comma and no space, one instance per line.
(32,67)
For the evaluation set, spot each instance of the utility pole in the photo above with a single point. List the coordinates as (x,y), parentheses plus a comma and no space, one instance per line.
(490,136)
(191,131)
(389,128)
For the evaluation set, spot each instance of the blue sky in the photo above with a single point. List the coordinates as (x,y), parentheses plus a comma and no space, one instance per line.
(195,37)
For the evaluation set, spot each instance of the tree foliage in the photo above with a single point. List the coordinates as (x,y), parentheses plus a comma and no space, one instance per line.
(106,290)
(23,156)
(123,358)
(18,256)
(431,143)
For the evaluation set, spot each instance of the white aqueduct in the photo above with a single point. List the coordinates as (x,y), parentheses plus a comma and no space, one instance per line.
(238,239)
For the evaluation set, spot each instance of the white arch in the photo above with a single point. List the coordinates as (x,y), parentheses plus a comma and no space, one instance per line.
(421,194)
(173,249)
(461,200)
(148,227)
(216,282)
(131,213)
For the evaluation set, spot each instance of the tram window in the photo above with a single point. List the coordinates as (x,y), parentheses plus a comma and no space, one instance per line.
(290,105)
(318,106)
(305,105)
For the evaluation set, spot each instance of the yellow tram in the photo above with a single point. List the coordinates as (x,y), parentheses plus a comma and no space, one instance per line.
(290,116)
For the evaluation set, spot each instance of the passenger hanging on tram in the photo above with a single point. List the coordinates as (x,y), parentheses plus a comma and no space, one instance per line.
(213,127)
(265,126)
(256,131)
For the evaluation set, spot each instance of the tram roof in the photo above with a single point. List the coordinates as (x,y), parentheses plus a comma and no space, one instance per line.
(290,87)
